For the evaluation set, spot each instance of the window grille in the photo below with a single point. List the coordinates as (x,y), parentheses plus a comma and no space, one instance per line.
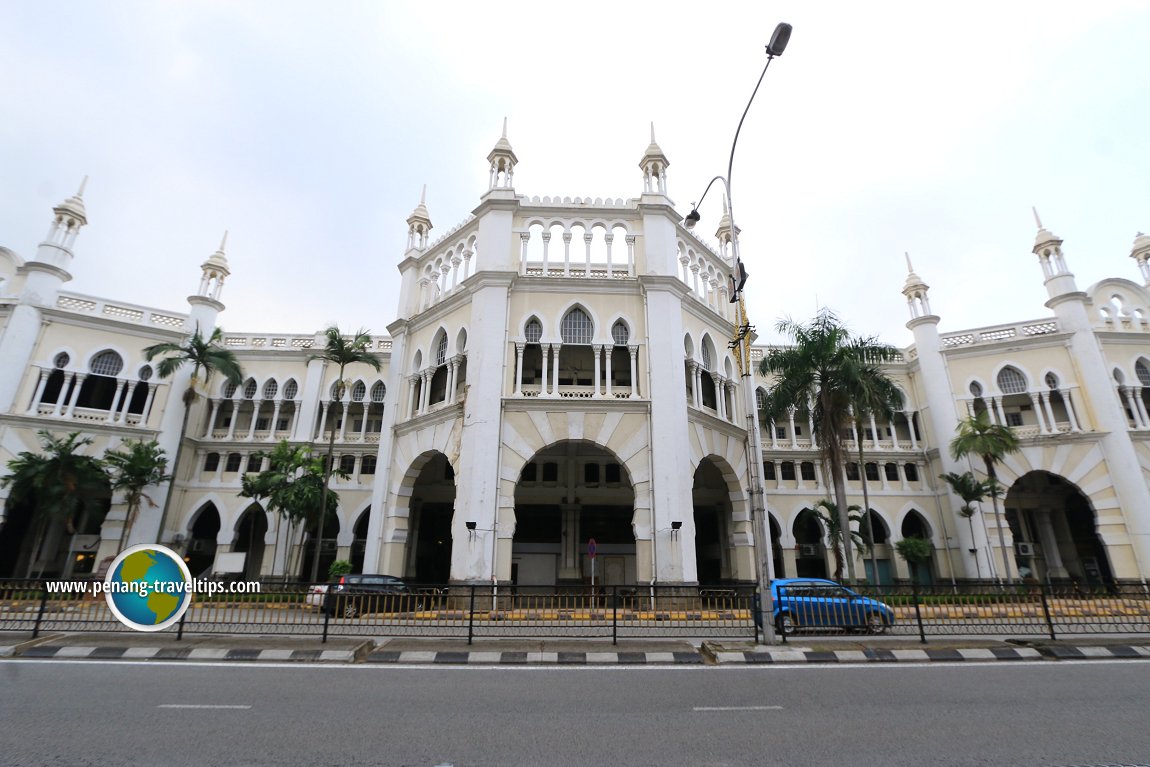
(230,390)
(441,350)
(707,357)
(271,388)
(760,399)
(1010,381)
(620,334)
(378,392)
(336,389)
(359,391)
(577,328)
(106,363)
(291,388)
(533,331)
(62,360)
(1143,373)
(250,388)
(145,373)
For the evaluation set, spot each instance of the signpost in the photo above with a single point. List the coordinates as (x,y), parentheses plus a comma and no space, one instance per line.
(591,549)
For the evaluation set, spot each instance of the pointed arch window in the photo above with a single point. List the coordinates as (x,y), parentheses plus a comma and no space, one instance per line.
(291,388)
(1011,381)
(577,327)
(378,392)
(441,350)
(271,388)
(533,331)
(620,334)
(358,391)
(1142,372)
(250,389)
(100,389)
(532,374)
(106,363)
(230,389)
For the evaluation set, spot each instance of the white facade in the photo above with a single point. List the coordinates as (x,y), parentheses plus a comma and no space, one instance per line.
(558,371)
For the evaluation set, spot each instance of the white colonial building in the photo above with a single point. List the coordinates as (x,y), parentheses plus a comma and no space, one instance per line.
(558,370)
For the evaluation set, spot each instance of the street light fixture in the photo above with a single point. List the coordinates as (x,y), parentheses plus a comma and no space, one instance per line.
(741,345)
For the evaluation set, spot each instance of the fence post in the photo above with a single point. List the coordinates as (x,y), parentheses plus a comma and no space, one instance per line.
(614,615)
(471,617)
(180,625)
(327,613)
(918,611)
(1046,611)
(40,612)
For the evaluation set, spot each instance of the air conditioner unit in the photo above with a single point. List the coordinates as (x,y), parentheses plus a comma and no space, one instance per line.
(808,549)
(1024,549)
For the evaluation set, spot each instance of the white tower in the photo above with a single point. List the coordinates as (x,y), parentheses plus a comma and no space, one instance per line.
(502,160)
(206,304)
(1141,253)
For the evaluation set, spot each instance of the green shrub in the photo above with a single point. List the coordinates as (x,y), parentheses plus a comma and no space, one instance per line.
(338,567)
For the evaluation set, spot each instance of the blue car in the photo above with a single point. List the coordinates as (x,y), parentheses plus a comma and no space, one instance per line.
(819,603)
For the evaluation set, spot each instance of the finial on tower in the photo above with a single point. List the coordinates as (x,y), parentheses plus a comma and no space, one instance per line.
(654,166)
(909,268)
(505,127)
(1037,220)
(224,242)
(83,184)
(502,159)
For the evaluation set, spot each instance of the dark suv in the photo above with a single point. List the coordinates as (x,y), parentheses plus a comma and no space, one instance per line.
(354,595)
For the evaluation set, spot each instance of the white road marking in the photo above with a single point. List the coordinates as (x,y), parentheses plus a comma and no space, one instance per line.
(737,708)
(200,705)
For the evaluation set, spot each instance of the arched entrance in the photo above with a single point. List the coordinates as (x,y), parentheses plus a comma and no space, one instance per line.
(359,543)
(567,494)
(1055,531)
(880,532)
(914,525)
(250,531)
(432,507)
(810,556)
(712,507)
(202,533)
(328,548)
(31,546)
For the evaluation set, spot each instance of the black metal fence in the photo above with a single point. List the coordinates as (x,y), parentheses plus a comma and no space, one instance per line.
(618,612)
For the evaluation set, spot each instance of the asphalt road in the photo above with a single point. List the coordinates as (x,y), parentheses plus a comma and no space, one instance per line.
(116,713)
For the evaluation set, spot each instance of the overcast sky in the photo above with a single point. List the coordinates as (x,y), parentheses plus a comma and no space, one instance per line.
(308,129)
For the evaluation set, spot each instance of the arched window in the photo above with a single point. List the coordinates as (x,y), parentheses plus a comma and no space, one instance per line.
(378,392)
(61,361)
(235,460)
(358,391)
(271,388)
(707,361)
(1011,381)
(1051,382)
(291,388)
(230,389)
(250,388)
(620,334)
(1142,372)
(336,392)
(441,349)
(533,331)
(106,363)
(211,461)
(145,373)
(576,327)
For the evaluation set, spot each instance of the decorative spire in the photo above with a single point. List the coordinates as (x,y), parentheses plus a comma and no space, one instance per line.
(419,223)
(1141,253)
(215,269)
(503,160)
(74,205)
(654,166)
(914,283)
(1044,237)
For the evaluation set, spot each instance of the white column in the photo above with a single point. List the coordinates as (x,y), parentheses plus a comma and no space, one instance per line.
(597,350)
(694,366)
(79,378)
(910,426)
(519,349)
(343,416)
(566,254)
(998,409)
(212,418)
(555,371)
(524,238)
(811,424)
(546,247)
(634,352)
(275,421)
(113,410)
(1037,405)
(256,404)
(631,261)
(63,395)
(455,262)
(1141,407)
(545,382)
(449,395)
(609,238)
(1045,397)
(235,419)
(148,404)
(322,420)
(425,391)
(41,382)
(894,433)
(363,421)
(609,393)
(720,396)
(122,416)
(1128,392)
(587,239)
(873,433)
(1054,565)
(791,420)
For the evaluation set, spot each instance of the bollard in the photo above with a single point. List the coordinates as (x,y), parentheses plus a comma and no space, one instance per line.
(326,617)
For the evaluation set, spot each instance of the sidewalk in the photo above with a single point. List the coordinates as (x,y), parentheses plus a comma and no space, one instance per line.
(563,652)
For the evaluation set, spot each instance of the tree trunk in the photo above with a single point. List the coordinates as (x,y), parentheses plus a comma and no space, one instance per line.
(866,515)
(189,401)
(327,467)
(997,520)
(126,530)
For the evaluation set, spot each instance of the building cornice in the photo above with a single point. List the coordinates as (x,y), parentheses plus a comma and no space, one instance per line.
(36,423)
(434,418)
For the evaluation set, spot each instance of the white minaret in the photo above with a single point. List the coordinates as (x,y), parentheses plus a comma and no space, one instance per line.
(44,275)
(1109,416)
(941,415)
(654,166)
(415,288)
(725,235)
(205,303)
(502,160)
(1141,253)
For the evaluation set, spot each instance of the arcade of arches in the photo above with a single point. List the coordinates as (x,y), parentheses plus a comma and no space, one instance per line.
(431,510)
(1055,531)
(567,494)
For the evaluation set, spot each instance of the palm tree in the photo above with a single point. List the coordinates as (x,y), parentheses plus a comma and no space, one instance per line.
(341,352)
(875,395)
(991,442)
(971,491)
(207,356)
(829,367)
(292,487)
(60,484)
(135,466)
(827,511)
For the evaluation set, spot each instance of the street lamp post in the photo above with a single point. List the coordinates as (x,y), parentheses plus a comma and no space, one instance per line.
(740,344)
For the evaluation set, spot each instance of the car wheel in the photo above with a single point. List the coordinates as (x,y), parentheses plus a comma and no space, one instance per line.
(875,623)
(786,624)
